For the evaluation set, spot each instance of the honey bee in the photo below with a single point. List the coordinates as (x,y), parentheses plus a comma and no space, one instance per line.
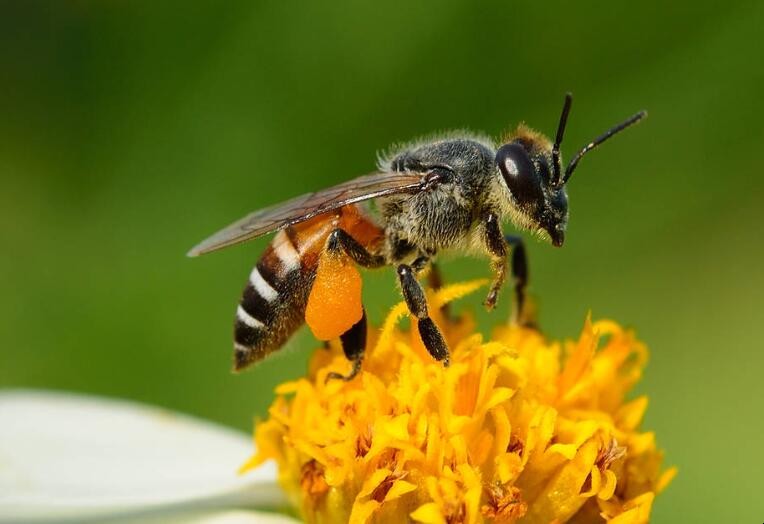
(446,194)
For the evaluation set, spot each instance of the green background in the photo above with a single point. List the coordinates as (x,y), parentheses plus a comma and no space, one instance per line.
(131,130)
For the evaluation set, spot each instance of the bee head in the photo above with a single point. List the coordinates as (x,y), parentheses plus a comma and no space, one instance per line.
(530,166)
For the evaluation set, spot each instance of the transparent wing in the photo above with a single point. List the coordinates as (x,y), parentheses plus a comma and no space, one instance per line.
(309,205)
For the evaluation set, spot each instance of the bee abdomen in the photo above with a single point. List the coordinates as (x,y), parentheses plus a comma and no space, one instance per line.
(273,304)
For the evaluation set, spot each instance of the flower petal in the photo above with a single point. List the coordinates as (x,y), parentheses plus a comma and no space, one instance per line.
(505,433)
(68,455)
(428,513)
(215,517)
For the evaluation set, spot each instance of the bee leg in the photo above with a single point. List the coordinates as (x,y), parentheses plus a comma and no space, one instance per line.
(353,344)
(415,300)
(519,265)
(341,241)
(354,339)
(420,264)
(497,250)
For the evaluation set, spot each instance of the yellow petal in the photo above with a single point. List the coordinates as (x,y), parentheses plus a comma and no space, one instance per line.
(400,488)
(371,483)
(362,511)
(286,388)
(480,449)
(540,431)
(566,450)
(636,511)
(502,430)
(474,490)
(459,449)
(641,443)
(386,334)
(629,416)
(498,395)
(608,486)
(595,478)
(397,428)
(508,467)
(560,498)
(579,360)
(428,513)
(665,479)
(454,291)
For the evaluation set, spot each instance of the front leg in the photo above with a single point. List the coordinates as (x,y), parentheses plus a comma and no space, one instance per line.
(496,245)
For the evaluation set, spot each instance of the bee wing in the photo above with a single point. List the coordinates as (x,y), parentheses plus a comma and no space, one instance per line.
(307,206)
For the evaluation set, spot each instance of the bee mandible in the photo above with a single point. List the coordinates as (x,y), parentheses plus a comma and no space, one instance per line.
(447,194)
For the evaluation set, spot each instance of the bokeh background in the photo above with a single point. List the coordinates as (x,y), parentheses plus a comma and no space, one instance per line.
(131,130)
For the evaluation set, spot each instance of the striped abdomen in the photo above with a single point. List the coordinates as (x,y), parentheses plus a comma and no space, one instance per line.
(273,304)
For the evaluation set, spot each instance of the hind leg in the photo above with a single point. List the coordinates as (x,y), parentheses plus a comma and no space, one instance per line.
(353,344)
(354,339)
(340,241)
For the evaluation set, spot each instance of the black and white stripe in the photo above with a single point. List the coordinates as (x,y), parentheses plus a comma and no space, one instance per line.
(256,310)
(286,251)
(272,306)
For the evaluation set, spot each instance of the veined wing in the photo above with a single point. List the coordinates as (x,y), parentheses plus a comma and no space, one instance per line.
(307,206)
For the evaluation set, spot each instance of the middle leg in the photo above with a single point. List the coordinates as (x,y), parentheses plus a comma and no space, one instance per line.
(417,303)
(519,269)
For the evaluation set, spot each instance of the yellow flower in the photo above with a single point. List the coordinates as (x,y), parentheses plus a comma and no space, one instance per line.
(517,429)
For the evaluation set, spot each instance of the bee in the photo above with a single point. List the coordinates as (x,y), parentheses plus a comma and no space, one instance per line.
(447,194)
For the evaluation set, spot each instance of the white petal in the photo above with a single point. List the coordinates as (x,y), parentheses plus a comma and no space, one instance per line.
(65,455)
(220,517)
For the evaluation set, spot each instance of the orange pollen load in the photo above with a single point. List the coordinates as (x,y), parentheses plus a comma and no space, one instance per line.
(334,304)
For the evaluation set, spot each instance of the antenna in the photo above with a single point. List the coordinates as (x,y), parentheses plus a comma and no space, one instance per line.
(558,139)
(599,140)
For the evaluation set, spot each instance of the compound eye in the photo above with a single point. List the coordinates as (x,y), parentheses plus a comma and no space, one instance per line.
(519,173)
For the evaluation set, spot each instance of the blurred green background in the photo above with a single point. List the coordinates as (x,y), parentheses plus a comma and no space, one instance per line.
(131,130)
